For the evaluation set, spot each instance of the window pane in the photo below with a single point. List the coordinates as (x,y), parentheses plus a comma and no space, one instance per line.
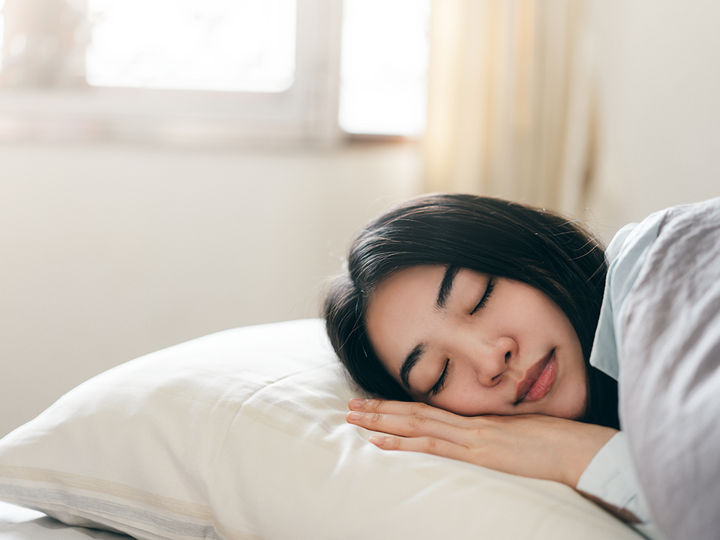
(384,66)
(232,45)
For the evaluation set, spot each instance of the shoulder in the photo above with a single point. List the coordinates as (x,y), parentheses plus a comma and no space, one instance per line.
(626,256)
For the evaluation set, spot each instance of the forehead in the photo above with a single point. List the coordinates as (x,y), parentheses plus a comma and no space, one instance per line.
(399,308)
(416,279)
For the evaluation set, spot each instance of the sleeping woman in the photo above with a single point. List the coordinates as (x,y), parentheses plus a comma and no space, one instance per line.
(496,333)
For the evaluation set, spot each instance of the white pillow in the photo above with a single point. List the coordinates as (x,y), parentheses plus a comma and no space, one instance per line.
(242,435)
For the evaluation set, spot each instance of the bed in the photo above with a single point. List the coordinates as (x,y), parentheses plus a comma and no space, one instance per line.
(21,523)
(241,435)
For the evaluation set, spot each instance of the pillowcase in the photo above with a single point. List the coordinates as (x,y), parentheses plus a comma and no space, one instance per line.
(241,435)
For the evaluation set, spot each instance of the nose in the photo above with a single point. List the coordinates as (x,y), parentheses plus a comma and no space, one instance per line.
(491,360)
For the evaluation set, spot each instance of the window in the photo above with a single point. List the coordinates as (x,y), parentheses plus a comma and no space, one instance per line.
(209,71)
(225,45)
(385,49)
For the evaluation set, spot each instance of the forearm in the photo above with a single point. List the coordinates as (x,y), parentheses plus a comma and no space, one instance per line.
(582,456)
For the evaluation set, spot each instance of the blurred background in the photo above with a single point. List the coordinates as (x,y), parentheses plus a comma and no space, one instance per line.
(174,168)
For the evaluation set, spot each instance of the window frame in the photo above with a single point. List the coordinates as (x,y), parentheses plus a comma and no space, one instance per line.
(305,113)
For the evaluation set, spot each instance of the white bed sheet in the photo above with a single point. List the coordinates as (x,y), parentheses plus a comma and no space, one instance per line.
(18,523)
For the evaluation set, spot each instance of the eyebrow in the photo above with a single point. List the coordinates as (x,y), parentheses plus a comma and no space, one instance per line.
(446,285)
(409,363)
(443,293)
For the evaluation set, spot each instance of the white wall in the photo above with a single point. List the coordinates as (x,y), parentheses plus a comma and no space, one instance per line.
(658,67)
(110,252)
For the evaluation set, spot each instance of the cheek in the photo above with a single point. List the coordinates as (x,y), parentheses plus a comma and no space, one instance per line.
(572,401)
(467,399)
(577,402)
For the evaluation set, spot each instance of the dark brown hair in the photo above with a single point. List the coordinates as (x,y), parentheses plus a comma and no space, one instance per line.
(493,236)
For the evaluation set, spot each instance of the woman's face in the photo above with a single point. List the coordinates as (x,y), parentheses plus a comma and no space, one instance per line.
(473,344)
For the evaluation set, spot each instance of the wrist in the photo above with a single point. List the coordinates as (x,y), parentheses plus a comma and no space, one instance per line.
(581,449)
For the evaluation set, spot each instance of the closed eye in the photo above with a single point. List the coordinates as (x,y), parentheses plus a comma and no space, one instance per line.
(441,381)
(485,296)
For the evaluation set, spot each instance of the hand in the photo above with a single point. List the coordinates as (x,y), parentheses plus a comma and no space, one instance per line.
(530,445)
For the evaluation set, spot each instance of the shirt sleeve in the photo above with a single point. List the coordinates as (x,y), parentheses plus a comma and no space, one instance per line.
(610,476)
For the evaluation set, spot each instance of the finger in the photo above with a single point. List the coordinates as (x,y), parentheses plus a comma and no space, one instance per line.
(405,408)
(409,426)
(425,445)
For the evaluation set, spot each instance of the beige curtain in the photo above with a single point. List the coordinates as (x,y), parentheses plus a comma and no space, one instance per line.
(510,101)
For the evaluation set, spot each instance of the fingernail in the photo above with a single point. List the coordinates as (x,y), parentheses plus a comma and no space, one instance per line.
(357,403)
(377,440)
(354,416)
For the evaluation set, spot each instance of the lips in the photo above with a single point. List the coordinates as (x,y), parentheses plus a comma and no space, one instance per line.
(538,380)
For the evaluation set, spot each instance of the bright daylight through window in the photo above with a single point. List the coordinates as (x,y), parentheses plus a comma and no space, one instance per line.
(383,74)
(232,45)
(240,46)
